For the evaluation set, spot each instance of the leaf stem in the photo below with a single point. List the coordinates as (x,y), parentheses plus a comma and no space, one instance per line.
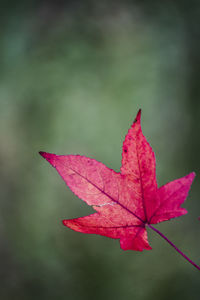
(179,251)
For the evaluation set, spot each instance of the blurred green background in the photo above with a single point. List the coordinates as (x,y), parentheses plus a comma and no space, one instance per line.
(73,75)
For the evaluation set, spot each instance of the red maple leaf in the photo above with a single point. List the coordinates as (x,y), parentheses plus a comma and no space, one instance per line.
(126,202)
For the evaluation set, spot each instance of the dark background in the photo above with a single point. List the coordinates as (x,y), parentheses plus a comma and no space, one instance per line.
(73,75)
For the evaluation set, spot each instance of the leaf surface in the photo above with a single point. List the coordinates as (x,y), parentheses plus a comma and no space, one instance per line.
(125,202)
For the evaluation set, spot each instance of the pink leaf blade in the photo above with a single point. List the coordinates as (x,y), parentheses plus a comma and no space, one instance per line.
(97,224)
(88,179)
(138,160)
(131,238)
(170,197)
(96,184)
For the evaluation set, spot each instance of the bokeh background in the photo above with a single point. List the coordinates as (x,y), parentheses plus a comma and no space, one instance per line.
(73,75)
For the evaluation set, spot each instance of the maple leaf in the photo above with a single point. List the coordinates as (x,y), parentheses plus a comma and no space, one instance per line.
(126,202)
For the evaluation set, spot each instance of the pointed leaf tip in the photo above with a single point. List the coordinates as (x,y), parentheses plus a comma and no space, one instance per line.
(138,117)
(64,222)
(49,157)
(43,154)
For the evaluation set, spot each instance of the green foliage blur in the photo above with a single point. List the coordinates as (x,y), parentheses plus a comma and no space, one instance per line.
(73,75)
